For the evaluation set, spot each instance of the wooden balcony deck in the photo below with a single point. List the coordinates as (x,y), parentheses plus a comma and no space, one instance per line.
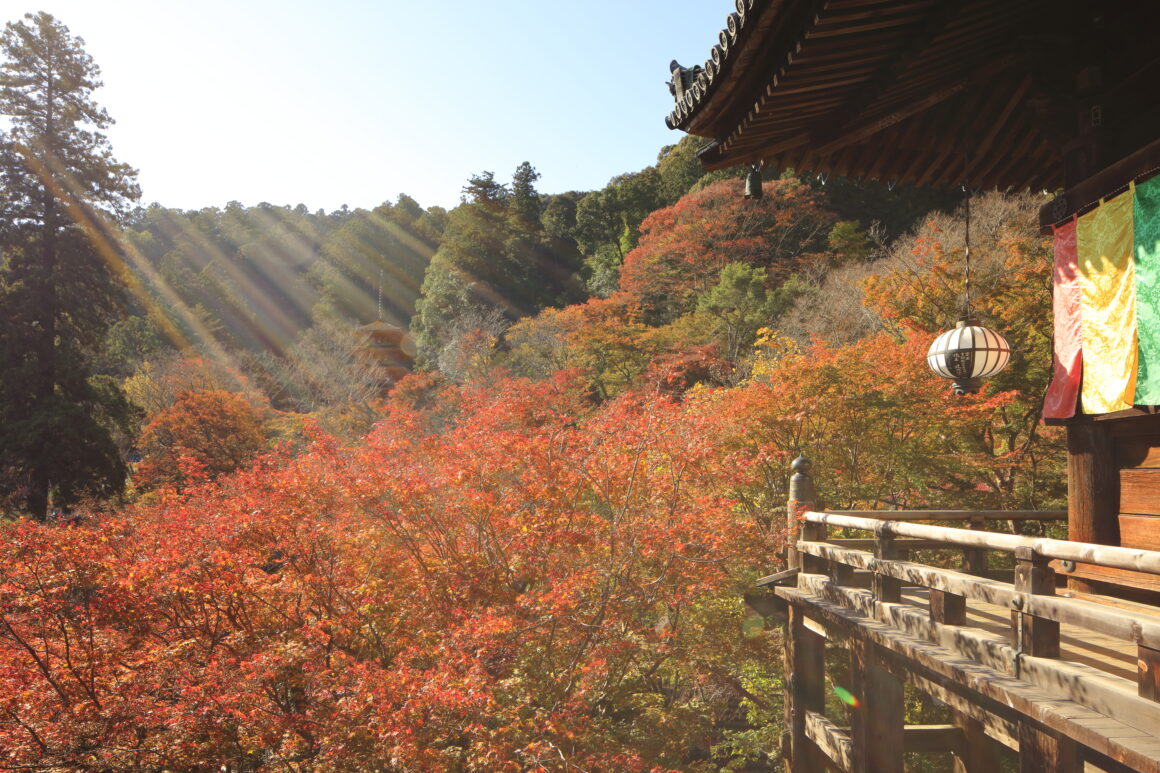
(1069,681)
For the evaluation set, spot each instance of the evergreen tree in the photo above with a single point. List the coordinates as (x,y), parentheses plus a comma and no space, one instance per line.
(59,184)
(492,256)
(525,197)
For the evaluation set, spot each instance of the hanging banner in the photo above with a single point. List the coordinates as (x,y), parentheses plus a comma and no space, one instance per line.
(1067,363)
(1146,256)
(1104,241)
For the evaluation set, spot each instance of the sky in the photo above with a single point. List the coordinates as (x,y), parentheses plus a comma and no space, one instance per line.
(333,102)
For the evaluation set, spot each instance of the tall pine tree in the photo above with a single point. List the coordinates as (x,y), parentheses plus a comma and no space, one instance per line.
(59,186)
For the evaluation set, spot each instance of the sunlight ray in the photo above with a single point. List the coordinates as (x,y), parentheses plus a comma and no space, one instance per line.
(129,265)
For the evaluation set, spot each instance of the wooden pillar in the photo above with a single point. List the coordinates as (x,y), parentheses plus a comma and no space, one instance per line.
(1041,751)
(1093,490)
(978,752)
(1148,675)
(1034,576)
(885,588)
(876,726)
(975,559)
(805,665)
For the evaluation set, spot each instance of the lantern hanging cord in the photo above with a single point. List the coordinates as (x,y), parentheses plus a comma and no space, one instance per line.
(967,247)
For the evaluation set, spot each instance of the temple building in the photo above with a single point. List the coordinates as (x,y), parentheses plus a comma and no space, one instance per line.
(1048,647)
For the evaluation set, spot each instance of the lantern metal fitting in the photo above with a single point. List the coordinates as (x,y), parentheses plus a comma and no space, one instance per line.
(753,182)
(968,354)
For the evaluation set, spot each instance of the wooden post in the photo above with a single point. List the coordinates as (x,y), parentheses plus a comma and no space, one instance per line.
(886,588)
(805,665)
(841,574)
(1148,675)
(876,726)
(947,608)
(1034,575)
(975,559)
(802,497)
(1041,751)
(1093,490)
(978,753)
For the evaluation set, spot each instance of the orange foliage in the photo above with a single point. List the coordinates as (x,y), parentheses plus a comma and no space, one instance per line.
(683,248)
(538,582)
(203,434)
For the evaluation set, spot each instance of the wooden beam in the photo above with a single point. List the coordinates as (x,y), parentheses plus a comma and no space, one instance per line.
(956,515)
(1064,550)
(893,67)
(975,559)
(766,604)
(1107,182)
(1134,627)
(931,739)
(786,577)
(902,544)
(886,587)
(831,740)
(874,126)
(980,716)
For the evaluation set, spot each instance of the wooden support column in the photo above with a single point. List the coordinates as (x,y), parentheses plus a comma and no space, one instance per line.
(1034,575)
(978,752)
(975,559)
(805,691)
(885,588)
(1041,751)
(1148,675)
(877,726)
(1093,490)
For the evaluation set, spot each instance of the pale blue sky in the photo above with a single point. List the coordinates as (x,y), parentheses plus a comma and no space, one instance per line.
(355,101)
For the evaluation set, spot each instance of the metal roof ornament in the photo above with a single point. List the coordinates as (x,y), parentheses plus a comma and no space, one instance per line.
(753,182)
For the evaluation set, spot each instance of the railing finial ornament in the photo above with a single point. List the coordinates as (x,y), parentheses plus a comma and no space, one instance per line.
(801,484)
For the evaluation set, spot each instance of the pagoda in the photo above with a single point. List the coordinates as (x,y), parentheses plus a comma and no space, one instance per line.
(387,350)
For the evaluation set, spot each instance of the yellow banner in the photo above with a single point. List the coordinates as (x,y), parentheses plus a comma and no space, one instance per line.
(1108,306)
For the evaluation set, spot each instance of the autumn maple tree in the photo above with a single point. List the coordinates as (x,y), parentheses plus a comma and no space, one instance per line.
(210,431)
(683,248)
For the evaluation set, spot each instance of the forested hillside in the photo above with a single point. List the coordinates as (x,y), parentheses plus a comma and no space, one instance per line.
(529,554)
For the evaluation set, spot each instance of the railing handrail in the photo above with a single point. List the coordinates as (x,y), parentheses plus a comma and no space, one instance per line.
(957,515)
(1135,627)
(1108,556)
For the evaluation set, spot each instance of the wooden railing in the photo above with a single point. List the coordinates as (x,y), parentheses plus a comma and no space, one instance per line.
(1071,700)
(1037,611)
(826,569)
